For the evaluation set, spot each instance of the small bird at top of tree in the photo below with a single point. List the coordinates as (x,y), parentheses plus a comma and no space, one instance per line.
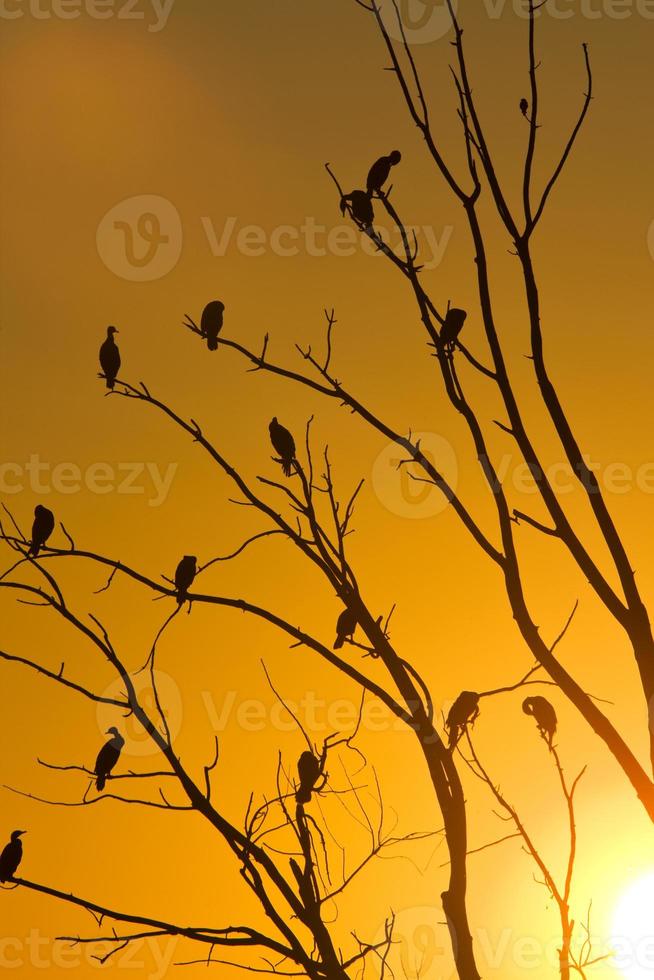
(524,107)
(107,758)
(42,528)
(463,712)
(283,444)
(11,856)
(544,714)
(345,627)
(360,208)
(380,171)
(110,358)
(211,322)
(309,771)
(454,320)
(184,575)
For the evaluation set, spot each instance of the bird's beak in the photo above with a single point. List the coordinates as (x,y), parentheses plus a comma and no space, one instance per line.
(21,832)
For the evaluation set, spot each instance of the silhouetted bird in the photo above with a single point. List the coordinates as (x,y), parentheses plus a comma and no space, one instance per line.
(380,170)
(524,106)
(308,768)
(283,444)
(108,756)
(11,856)
(110,357)
(463,712)
(544,714)
(360,206)
(454,320)
(212,322)
(345,627)
(186,572)
(42,528)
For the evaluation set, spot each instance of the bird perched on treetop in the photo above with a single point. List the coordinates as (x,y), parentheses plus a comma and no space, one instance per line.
(283,444)
(360,207)
(11,856)
(454,320)
(42,528)
(211,322)
(544,714)
(463,712)
(186,572)
(110,357)
(107,758)
(308,768)
(524,106)
(380,170)
(345,627)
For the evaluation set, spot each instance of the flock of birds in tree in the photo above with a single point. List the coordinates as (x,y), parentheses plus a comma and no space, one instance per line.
(465,711)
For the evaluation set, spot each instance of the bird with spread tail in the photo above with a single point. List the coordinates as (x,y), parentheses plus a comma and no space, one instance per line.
(345,627)
(283,444)
(184,575)
(360,207)
(42,528)
(544,714)
(463,712)
(11,856)
(309,771)
(107,758)
(110,358)
(380,172)
(211,322)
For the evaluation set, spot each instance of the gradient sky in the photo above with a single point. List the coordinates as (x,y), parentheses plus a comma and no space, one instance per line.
(228,111)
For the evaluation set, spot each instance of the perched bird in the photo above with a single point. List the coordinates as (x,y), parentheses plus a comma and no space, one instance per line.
(524,106)
(380,170)
(544,714)
(107,758)
(11,856)
(345,627)
(211,322)
(463,712)
(308,769)
(454,320)
(186,572)
(110,357)
(283,444)
(42,528)
(360,207)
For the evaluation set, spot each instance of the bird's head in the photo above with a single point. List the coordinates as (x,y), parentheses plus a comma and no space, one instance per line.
(18,833)
(274,422)
(190,558)
(112,731)
(111,331)
(38,510)
(394,156)
(528,706)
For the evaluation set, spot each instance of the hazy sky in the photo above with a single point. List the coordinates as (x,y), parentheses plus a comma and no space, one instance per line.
(218,118)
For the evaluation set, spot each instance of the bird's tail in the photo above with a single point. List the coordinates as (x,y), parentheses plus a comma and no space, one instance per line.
(110,382)
(287,466)
(339,641)
(303,795)
(212,343)
(99,783)
(181,598)
(34,549)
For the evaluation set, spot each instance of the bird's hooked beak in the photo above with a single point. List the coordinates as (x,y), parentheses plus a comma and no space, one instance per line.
(19,833)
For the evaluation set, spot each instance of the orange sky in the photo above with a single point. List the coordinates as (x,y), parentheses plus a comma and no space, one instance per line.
(228,112)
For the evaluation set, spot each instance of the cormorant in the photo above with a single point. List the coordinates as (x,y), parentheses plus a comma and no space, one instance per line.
(11,856)
(544,714)
(308,768)
(463,712)
(380,170)
(360,207)
(42,528)
(211,322)
(283,444)
(186,572)
(108,756)
(345,627)
(110,357)
(454,320)
(524,106)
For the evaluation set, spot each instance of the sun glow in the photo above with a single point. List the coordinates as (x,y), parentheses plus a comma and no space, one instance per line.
(633,930)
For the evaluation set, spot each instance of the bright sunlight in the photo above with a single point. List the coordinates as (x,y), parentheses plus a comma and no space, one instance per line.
(633,930)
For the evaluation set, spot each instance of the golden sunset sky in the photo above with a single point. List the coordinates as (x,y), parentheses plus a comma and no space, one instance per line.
(219,117)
